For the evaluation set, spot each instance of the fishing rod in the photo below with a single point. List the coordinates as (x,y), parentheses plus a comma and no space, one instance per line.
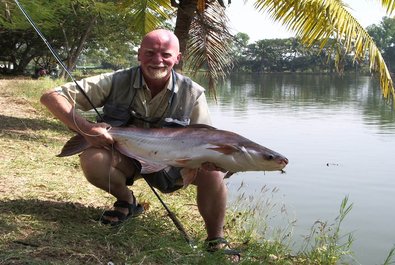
(55,54)
(172,216)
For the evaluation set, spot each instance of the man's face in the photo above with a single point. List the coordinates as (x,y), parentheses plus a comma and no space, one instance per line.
(158,54)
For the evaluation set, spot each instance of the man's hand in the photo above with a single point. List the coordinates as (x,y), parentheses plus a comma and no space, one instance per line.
(212,167)
(188,175)
(97,135)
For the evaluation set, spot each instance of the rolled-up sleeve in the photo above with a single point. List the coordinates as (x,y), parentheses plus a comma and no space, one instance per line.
(200,113)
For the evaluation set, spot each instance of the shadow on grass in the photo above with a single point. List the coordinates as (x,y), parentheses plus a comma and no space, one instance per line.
(22,128)
(37,232)
(16,123)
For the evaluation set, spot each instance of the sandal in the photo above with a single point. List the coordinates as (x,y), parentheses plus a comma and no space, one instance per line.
(221,244)
(133,211)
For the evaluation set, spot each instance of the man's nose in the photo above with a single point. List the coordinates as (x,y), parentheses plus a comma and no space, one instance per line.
(157,58)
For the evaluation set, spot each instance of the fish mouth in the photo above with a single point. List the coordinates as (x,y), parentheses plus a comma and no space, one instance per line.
(282,162)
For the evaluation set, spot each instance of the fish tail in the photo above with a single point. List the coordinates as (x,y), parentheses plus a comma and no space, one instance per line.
(75,145)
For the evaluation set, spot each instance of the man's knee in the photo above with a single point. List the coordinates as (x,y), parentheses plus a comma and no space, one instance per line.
(98,164)
(95,157)
(94,162)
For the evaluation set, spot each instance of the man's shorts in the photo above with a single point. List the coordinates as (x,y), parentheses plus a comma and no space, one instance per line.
(166,180)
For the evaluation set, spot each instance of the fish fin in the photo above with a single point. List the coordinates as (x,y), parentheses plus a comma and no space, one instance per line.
(183,161)
(188,175)
(75,145)
(226,149)
(228,174)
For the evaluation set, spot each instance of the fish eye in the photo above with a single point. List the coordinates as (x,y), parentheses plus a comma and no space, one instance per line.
(270,157)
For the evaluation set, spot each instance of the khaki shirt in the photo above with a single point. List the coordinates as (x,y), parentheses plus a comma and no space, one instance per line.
(98,88)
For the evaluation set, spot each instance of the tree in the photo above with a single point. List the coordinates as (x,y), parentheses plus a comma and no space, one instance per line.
(279,55)
(384,36)
(18,42)
(239,51)
(71,26)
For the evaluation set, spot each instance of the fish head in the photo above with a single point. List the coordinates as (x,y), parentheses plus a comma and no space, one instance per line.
(274,161)
(267,160)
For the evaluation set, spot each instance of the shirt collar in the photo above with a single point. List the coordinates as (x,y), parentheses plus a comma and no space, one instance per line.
(139,81)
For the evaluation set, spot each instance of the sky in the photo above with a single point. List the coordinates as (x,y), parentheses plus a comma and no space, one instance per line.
(244,18)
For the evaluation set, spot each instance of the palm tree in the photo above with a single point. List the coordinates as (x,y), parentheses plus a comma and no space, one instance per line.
(202,25)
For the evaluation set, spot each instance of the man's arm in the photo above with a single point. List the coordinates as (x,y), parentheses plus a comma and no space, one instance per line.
(95,133)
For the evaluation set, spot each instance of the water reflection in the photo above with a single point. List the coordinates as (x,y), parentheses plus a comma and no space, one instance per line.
(309,92)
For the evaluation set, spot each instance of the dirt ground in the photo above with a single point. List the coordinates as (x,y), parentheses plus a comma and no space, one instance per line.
(13,106)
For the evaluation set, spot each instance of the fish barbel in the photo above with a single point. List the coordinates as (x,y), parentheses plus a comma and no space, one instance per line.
(187,147)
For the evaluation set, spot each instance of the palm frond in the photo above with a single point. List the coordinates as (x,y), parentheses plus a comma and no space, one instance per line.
(147,15)
(389,5)
(320,20)
(209,44)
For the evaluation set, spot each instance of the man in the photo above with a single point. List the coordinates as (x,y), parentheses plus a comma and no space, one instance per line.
(142,96)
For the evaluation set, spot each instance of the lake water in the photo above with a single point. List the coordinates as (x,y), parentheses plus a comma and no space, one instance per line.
(339,136)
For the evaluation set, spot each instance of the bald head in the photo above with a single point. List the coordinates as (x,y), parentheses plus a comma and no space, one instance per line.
(163,36)
(158,53)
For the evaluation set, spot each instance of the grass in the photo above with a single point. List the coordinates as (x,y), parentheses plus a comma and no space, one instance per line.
(49,213)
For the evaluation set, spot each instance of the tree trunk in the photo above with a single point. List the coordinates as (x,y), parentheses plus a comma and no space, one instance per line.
(185,13)
(74,53)
(81,42)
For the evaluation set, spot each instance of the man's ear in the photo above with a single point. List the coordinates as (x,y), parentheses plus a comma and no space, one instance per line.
(179,57)
(138,55)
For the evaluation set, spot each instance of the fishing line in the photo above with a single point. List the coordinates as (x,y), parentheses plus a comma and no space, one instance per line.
(172,216)
(74,98)
(109,178)
(55,54)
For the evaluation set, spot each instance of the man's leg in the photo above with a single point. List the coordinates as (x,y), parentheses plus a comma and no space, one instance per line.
(108,171)
(211,201)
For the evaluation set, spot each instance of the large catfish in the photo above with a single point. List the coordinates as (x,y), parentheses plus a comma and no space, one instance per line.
(187,147)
